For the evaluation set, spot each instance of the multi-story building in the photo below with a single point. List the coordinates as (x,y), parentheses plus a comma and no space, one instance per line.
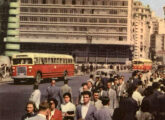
(90,30)
(158,40)
(4,12)
(141,29)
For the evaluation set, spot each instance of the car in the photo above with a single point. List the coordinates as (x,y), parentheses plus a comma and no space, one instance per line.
(100,72)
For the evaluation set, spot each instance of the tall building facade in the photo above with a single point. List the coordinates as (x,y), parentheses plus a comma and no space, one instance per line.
(141,29)
(4,13)
(90,30)
(158,40)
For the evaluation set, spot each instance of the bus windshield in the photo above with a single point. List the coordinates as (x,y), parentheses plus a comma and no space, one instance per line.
(24,61)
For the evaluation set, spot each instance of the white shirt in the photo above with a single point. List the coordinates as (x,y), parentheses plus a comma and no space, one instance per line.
(68,107)
(137,96)
(51,114)
(42,115)
(35,97)
(84,110)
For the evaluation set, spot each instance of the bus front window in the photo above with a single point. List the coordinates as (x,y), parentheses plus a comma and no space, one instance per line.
(22,61)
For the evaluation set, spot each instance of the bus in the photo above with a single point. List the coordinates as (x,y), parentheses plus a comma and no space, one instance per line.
(38,66)
(142,64)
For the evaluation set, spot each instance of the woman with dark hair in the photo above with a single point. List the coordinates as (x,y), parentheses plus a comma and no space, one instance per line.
(55,114)
(68,108)
(30,109)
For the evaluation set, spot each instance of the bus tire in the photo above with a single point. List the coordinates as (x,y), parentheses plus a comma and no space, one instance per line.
(16,81)
(38,78)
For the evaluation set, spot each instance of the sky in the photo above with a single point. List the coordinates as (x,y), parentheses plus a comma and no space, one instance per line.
(156,6)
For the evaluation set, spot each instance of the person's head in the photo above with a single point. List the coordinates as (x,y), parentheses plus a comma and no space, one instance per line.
(31,107)
(65,81)
(105,101)
(121,80)
(91,76)
(97,78)
(116,81)
(89,83)
(85,87)
(53,82)
(96,95)
(44,108)
(86,97)
(53,103)
(67,97)
(35,87)
(109,84)
(155,85)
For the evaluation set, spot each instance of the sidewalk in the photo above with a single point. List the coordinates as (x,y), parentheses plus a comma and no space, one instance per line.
(8,79)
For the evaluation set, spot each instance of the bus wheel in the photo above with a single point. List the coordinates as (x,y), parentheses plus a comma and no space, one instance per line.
(38,78)
(16,81)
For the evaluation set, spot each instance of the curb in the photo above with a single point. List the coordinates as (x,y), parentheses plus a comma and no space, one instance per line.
(7,80)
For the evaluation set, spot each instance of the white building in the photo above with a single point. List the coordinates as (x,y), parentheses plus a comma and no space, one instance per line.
(141,29)
(91,30)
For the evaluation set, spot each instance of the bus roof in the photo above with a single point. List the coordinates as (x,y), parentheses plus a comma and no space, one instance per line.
(142,59)
(32,55)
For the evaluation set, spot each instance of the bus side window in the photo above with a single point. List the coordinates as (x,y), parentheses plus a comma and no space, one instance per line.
(45,61)
(55,60)
(52,60)
(36,61)
(42,61)
(60,60)
(49,61)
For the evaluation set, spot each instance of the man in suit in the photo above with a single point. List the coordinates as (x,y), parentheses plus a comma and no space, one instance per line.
(54,92)
(55,114)
(66,88)
(96,101)
(112,96)
(105,113)
(121,88)
(43,112)
(86,110)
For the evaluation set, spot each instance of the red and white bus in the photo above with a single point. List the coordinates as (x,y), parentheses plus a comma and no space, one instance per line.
(142,64)
(38,66)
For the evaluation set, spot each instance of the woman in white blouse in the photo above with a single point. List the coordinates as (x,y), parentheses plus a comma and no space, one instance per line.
(68,108)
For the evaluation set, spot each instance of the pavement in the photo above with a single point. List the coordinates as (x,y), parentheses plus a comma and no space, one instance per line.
(9,79)
(6,80)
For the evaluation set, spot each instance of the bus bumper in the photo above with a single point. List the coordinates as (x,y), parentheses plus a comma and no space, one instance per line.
(23,77)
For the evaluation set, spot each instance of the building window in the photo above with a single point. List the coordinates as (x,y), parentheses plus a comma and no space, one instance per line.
(43,18)
(34,1)
(43,10)
(103,20)
(24,1)
(113,12)
(43,1)
(123,21)
(120,38)
(53,19)
(24,9)
(112,20)
(93,20)
(73,2)
(83,20)
(63,1)
(33,9)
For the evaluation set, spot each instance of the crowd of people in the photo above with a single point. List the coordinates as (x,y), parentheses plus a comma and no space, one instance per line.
(106,97)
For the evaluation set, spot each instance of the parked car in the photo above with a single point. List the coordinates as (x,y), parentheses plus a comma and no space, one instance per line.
(101,72)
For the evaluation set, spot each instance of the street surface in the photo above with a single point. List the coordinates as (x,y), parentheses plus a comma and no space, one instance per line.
(13,98)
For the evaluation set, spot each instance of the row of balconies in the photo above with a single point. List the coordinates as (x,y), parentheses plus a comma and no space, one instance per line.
(13,32)
(75,14)
(70,33)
